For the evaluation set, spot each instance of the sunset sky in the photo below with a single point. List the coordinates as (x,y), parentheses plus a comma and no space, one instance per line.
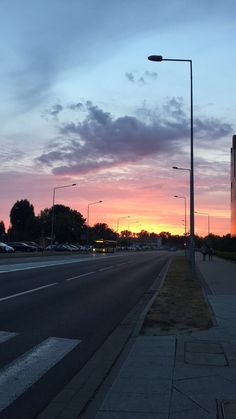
(80,103)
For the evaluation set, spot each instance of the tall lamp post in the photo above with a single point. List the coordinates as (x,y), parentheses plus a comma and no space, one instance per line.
(208,220)
(91,203)
(134,222)
(183,197)
(53,204)
(192,245)
(118,222)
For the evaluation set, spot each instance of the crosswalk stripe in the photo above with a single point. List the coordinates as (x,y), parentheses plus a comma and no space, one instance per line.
(4,336)
(22,373)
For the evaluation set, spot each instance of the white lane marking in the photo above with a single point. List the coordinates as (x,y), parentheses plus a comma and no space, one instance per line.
(104,269)
(79,276)
(4,336)
(27,292)
(47,264)
(22,373)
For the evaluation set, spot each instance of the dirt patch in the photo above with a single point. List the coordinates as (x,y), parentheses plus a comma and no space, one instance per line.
(180,306)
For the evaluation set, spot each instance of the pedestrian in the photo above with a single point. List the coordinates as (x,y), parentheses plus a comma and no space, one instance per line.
(204,251)
(210,253)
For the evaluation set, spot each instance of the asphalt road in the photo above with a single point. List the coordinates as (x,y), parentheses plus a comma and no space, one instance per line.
(55,313)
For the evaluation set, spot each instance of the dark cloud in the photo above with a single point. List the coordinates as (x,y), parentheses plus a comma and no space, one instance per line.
(141,80)
(9,154)
(151,74)
(53,111)
(76,106)
(101,141)
(215,128)
(130,77)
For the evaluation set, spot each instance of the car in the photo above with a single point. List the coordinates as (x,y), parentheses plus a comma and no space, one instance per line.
(22,247)
(34,244)
(62,248)
(51,247)
(85,247)
(73,247)
(5,248)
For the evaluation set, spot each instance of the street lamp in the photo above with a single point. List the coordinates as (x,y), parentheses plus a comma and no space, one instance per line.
(192,245)
(181,168)
(118,221)
(53,204)
(134,222)
(183,197)
(208,221)
(91,203)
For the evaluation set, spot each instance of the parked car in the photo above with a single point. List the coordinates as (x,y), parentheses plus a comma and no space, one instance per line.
(34,244)
(74,247)
(85,247)
(5,248)
(63,248)
(51,247)
(22,247)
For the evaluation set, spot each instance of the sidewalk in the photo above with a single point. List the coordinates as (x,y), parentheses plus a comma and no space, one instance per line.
(188,376)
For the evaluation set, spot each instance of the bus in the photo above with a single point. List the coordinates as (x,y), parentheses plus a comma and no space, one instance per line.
(104,246)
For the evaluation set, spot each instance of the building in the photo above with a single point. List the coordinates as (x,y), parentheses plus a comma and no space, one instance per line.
(233,187)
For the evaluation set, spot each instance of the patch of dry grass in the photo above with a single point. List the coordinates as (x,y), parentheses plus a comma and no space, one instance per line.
(180,306)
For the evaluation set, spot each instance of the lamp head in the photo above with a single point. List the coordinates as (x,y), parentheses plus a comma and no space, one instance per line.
(155,58)
(174,167)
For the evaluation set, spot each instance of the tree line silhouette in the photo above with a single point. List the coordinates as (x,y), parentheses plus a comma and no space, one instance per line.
(70,227)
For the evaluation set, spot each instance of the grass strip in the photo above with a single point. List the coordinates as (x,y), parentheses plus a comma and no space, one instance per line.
(180,306)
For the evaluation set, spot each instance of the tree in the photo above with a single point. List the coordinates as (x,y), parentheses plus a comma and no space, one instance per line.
(126,233)
(68,224)
(102,231)
(143,234)
(23,220)
(2,231)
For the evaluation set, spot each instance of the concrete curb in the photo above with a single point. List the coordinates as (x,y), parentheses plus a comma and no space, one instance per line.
(206,291)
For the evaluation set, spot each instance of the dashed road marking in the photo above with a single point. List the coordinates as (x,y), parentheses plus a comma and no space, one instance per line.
(27,292)
(105,269)
(79,276)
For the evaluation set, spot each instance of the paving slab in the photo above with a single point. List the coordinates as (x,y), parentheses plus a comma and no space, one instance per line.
(204,391)
(218,360)
(131,415)
(182,407)
(204,347)
(142,385)
(148,402)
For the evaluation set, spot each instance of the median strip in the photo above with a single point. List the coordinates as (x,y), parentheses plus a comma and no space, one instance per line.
(27,292)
